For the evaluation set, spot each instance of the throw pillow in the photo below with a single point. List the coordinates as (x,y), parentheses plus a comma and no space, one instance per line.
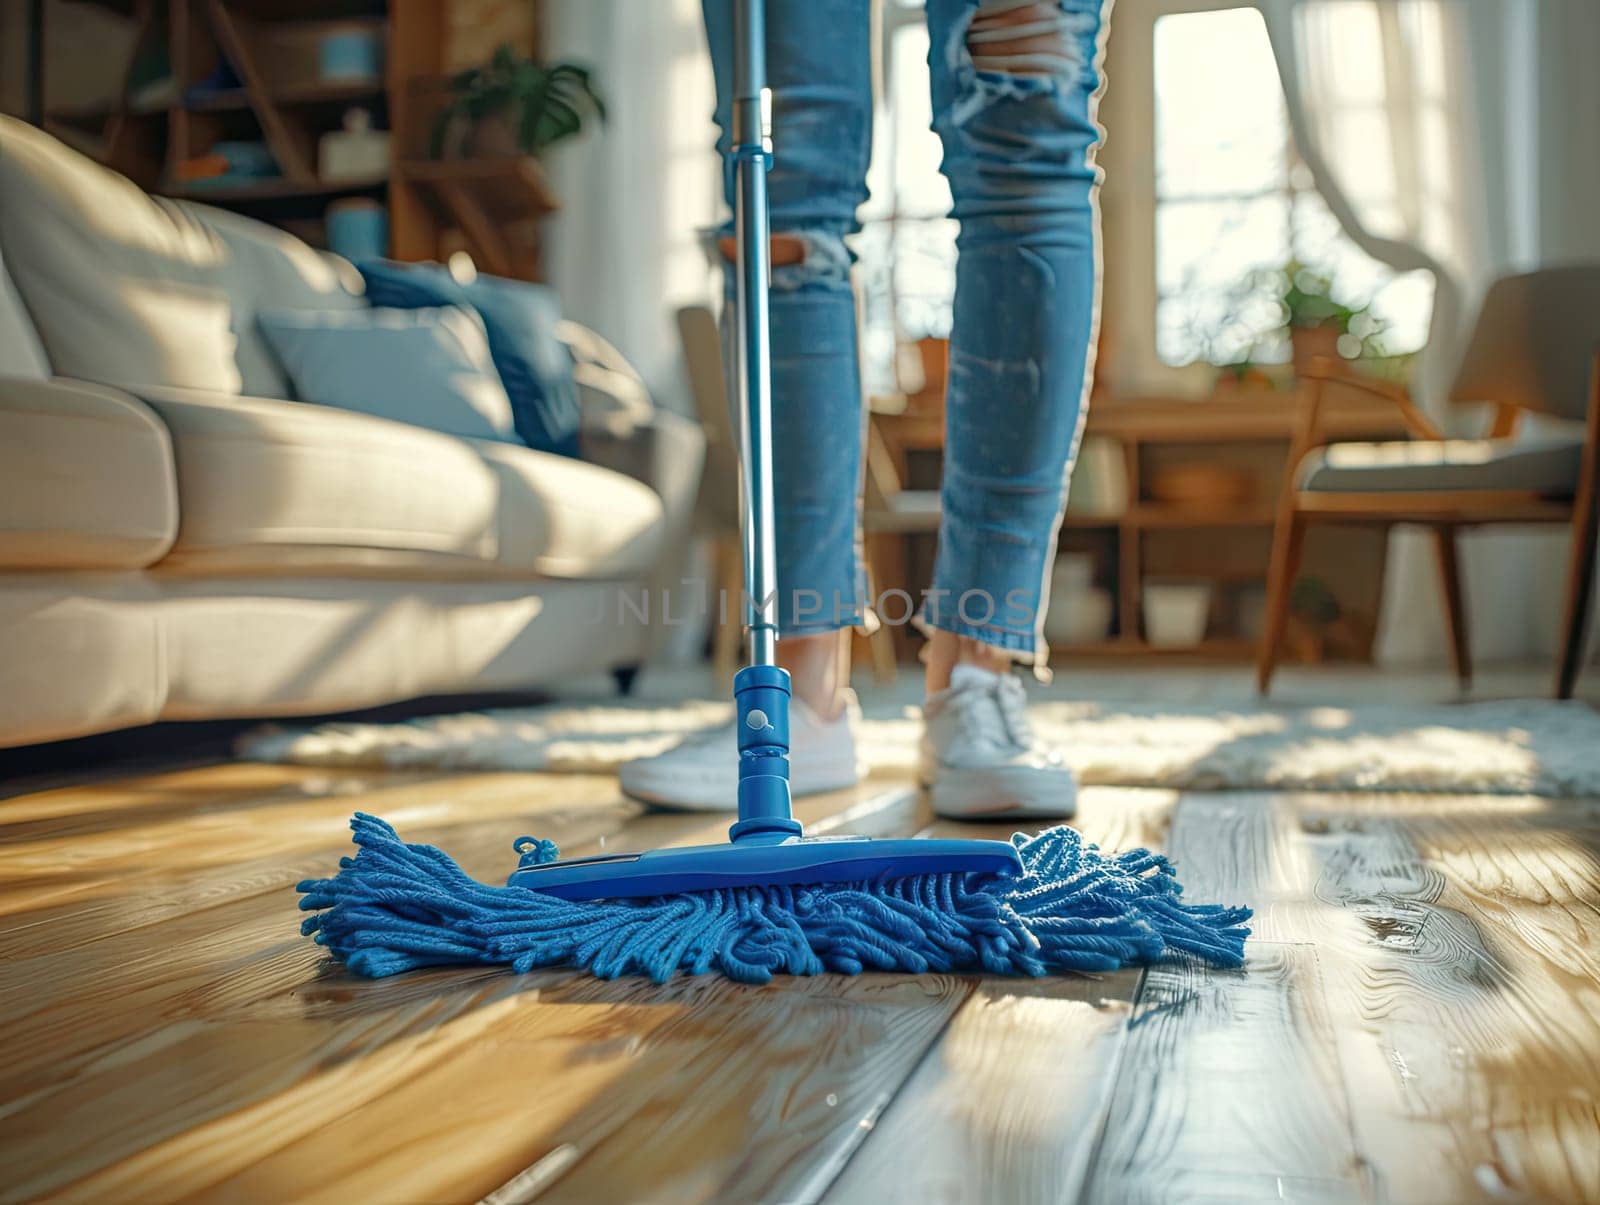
(521,320)
(427,367)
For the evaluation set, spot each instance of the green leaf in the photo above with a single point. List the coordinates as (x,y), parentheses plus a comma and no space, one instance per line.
(544,102)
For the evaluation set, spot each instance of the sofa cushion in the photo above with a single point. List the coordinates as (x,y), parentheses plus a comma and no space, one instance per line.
(265,485)
(132,290)
(1546,466)
(86,478)
(272,487)
(563,518)
(265,268)
(428,367)
(21,353)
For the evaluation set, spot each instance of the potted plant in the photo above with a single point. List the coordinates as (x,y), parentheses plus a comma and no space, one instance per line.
(513,105)
(1319,323)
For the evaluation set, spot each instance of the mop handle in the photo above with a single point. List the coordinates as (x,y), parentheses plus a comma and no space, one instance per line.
(752,347)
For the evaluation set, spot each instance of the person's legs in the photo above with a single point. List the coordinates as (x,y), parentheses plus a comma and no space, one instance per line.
(1014,88)
(820,70)
(1015,115)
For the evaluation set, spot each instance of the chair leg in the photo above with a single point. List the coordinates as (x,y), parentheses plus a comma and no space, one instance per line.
(886,552)
(880,642)
(1580,584)
(727,609)
(1288,540)
(1455,604)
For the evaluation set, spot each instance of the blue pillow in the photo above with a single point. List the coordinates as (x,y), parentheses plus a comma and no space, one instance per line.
(521,321)
(430,368)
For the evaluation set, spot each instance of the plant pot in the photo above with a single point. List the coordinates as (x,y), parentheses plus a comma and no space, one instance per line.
(1306,343)
(492,137)
(1175,613)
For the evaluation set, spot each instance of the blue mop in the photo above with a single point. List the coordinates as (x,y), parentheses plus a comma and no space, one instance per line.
(769,900)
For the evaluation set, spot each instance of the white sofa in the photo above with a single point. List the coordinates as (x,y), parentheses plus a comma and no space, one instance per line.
(178,540)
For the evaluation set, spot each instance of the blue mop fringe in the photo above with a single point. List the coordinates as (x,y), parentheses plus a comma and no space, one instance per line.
(396,907)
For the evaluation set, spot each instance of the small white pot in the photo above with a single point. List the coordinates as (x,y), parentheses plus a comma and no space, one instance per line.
(1078,617)
(1175,613)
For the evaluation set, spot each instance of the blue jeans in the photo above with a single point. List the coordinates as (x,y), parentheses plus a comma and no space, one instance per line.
(1018,155)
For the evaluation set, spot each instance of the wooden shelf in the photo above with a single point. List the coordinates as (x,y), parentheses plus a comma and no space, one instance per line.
(276,188)
(1165,516)
(518,171)
(308,92)
(272,47)
(323,12)
(1217,648)
(1265,417)
(98,115)
(493,201)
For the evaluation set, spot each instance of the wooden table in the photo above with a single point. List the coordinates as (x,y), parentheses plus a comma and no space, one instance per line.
(1416,1022)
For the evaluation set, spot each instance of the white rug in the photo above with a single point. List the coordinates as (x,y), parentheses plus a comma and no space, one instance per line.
(1532,747)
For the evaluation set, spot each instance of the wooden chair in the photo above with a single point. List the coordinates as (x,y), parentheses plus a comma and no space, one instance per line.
(1532,351)
(716,512)
(891,513)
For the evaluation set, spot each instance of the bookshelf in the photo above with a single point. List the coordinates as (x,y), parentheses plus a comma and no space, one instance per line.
(199,73)
(1224,543)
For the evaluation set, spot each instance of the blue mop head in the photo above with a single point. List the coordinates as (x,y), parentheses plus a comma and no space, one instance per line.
(396,907)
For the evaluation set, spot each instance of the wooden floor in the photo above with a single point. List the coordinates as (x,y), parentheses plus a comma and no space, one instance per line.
(1419,1019)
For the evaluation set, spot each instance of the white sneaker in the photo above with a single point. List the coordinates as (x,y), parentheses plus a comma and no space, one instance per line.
(979,758)
(702,773)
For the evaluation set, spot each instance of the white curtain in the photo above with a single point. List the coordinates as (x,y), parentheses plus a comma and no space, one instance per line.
(623,252)
(1456,137)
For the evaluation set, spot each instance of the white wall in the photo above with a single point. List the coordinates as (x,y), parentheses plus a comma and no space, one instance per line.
(623,253)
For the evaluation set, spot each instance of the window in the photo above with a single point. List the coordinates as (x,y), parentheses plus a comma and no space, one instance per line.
(1209,198)
(908,240)
(1237,220)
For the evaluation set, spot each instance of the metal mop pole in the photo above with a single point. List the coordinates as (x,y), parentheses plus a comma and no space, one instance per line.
(761,691)
(752,150)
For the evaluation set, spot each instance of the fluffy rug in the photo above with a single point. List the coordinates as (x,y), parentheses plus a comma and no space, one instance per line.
(1529,747)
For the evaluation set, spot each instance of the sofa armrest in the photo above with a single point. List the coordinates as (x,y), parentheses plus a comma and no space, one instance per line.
(46,394)
(612,395)
(86,477)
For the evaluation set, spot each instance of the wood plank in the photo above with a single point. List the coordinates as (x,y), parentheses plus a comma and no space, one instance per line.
(697,1090)
(1229,1089)
(1457,941)
(65,1002)
(1008,1104)
(186,1045)
(1468,966)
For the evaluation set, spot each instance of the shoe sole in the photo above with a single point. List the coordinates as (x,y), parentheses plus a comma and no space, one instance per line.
(986,795)
(680,801)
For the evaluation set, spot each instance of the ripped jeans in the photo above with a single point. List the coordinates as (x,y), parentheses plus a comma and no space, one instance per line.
(1018,132)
